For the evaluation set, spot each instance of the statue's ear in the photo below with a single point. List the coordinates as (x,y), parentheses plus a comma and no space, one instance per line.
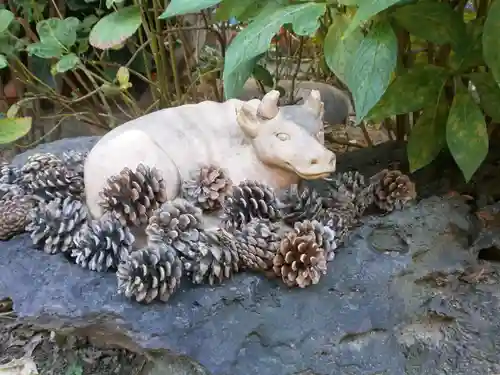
(248,120)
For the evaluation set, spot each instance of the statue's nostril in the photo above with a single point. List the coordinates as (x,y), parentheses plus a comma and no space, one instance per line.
(314,161)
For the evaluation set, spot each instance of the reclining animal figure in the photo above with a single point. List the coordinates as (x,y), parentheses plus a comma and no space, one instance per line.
(251,140)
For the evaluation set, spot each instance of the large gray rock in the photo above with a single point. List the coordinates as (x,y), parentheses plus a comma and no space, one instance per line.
(393,302)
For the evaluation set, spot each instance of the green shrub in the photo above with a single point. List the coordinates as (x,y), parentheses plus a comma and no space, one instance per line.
(432,65)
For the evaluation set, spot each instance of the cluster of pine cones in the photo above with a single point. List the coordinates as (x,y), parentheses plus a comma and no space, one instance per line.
(290,236)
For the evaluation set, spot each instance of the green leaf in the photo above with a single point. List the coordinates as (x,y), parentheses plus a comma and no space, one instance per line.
(435,22)
(262,74)
(54,31)
(115,28)
(340,53)
(66,63)
(471,54)
(6,17)
(181,7)
(466,133)
(489,93)
(232,8)
(12,129)
(256,37)
(3,62)
(411,91)
(234,81)
(45,51)
(428,135)
(367,9)
(372,66)
(491,41)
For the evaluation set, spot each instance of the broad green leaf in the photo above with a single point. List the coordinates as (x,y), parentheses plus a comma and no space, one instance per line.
(428,135)
(491,41)
(181,7)
(489,93)
(66,63)
(88,22)
(116,27)
(367,9)
(371,69)
(432,21)
(6,17)
(45,51)
(234,81)
(256,37)
(339,53)
(233,8)
(262,74)
(411,91)
(3,62)
(466,133)
(472,49)
(12,129)
(54,31)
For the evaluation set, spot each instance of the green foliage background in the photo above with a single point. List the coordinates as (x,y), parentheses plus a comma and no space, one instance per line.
(432,66)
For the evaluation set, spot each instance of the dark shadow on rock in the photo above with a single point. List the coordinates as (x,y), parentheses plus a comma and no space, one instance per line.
(400,307)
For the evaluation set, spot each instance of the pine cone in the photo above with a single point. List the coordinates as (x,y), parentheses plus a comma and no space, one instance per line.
(256,244)
(392,190)
(133,196)
(300,203)
(55,224)
(250,199)
(9,191)
(353,181)
(9,174)
(36,164)
(75,160)
(14,215)
(326,237)
(151,273)
(349,187)
(300,260)
(340,222)
(209,260)
(209,189)
(56,182)
(177,223)
(102,244)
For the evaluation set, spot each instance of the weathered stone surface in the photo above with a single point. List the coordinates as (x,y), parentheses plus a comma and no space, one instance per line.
(398,299)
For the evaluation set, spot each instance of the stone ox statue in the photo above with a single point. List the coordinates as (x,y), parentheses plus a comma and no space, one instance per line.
(251,140)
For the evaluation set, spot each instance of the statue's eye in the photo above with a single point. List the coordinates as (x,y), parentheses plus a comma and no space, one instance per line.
(283,136)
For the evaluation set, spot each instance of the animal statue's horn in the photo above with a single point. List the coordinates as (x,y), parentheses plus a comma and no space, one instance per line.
(268,107)
(314,103)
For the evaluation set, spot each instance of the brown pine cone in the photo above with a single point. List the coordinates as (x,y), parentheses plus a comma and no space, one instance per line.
(249,200)
(133,196)
(300,260)
(14,215)
(392,190)
(208,189)
(256,244)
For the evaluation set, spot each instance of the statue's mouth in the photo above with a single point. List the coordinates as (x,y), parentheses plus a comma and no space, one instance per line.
(313,176)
